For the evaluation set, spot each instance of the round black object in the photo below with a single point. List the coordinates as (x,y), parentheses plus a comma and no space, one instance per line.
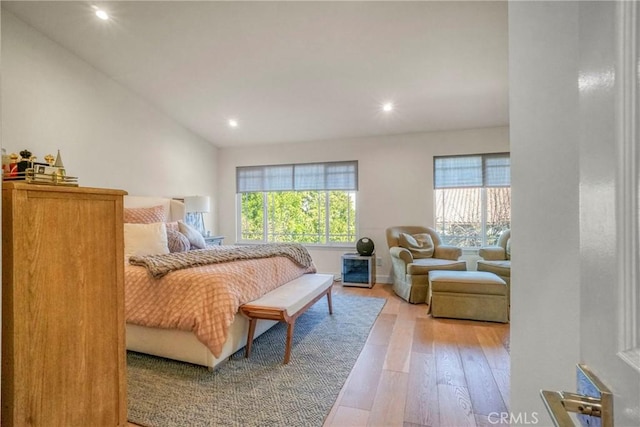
(365,246)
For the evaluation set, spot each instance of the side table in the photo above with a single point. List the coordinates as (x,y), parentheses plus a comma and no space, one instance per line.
(214,240)
(358,270)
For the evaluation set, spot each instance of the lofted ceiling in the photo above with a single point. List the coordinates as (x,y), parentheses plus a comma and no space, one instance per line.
(295,71)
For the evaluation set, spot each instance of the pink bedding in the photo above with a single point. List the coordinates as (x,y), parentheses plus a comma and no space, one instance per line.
(203,299)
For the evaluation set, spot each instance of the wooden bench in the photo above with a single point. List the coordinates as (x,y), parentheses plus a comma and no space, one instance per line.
(286,303)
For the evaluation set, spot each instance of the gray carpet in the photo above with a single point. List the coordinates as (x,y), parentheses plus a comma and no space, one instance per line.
(259,391)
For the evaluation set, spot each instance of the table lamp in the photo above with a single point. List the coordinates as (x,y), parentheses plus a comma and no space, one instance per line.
(197,205)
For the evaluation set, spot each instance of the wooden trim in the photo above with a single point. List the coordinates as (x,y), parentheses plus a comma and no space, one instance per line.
(627,196)
(22,185)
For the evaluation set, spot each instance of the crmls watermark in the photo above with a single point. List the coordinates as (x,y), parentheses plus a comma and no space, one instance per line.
(508,418)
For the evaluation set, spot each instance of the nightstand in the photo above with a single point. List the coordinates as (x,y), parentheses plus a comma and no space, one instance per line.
(213,240)
(358,270)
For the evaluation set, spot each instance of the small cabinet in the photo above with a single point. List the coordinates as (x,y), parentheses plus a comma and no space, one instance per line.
(358,270)
(214,240)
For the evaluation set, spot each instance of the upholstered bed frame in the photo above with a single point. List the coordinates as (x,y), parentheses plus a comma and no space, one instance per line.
(184,346)
(177,344)
(174,208)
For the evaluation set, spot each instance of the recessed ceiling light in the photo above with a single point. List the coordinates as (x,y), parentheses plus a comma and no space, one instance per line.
(233,123)
(388,106)
(102,14)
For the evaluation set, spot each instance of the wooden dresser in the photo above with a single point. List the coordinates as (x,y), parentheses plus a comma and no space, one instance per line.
(63,342)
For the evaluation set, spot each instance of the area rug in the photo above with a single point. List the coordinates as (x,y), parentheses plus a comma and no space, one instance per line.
(259,391)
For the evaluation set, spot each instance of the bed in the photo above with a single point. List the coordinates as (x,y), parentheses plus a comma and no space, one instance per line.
(179,343)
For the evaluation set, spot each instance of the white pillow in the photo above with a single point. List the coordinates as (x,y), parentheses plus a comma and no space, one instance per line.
(194,236)
(145,239)
(420,245)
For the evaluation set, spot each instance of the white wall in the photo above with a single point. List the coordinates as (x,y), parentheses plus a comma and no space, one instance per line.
(395,179)
(545,292)
(108,136)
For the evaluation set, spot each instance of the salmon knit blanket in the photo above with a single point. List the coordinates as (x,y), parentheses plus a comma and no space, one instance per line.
(160,265)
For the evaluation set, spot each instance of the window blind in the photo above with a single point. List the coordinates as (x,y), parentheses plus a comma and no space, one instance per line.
(298,177)
(481,170)
(497,170)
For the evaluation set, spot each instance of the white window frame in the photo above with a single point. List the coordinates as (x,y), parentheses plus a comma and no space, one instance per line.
(350,185)
(483,185)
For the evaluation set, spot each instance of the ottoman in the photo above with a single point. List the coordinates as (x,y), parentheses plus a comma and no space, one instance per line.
(475,295)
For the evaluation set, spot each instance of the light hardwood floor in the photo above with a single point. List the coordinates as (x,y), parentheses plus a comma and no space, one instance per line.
(418,371)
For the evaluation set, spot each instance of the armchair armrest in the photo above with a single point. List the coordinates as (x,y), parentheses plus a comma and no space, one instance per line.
(492,253)
(447,252)
(401,253)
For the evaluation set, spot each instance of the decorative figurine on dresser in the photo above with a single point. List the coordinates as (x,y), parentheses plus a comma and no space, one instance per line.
(63,343)
(25,168)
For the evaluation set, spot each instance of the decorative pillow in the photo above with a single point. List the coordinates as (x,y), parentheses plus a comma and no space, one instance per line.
(508,249)
(145,215)
(172,226)
(195,238)
(177,241)
(145,239)
(420,245)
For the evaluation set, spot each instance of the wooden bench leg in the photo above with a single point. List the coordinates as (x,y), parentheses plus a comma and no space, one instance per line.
(252,330)
(255,311)
(287,348)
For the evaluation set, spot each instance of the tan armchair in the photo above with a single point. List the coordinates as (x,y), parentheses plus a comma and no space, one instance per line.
(412,263)
(497,259)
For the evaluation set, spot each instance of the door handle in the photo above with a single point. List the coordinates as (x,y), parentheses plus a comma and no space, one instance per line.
(597,403)
(560,403)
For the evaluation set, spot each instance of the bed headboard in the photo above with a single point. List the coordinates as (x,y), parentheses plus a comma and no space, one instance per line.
(174,208)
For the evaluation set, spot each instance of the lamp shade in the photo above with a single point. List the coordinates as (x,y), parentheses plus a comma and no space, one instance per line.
(197,204)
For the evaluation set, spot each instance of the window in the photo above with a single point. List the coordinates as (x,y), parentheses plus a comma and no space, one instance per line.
(472,198)
(313,203)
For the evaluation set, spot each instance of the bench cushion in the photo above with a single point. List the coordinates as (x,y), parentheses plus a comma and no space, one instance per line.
(468,282)
(294,295)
